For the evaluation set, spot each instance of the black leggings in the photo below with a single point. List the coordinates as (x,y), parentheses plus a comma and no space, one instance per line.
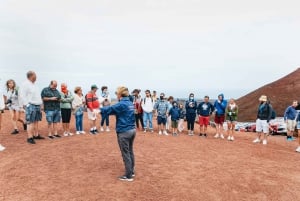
(190,121)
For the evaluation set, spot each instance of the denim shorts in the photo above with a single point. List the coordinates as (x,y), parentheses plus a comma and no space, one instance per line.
(161,120)
(53,116)
(33,113)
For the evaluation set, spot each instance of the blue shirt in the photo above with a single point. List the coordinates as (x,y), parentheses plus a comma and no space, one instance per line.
(290,113)
(124,111)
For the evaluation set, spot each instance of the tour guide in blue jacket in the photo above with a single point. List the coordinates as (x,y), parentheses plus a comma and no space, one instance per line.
(125,128)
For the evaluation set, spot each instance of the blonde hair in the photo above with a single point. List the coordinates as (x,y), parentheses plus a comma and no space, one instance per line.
(122,91)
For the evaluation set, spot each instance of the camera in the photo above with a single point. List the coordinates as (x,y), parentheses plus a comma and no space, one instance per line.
(8,102)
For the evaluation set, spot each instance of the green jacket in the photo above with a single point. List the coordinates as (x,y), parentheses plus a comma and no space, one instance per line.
(66,100)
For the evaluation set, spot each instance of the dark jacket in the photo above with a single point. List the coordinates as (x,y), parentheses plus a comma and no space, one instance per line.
(205,109)
(190,107)
(175,113)
(264,112)
(124,111)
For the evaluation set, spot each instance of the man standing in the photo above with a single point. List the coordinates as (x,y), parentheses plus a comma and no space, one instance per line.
(161,107)
(125,128)
(51,99)
(31,101)
(220,107)
(93,105)
(204,110)
(147,105)
(290,116)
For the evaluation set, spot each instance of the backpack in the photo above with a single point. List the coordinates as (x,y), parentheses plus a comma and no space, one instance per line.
(145,100)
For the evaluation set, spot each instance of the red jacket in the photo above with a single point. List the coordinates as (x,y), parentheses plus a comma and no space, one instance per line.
(92,101)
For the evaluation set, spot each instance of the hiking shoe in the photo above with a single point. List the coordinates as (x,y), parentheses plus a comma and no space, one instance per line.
(38,137)
(14,132)
(217,135)
(124,178)
(1,148)
(264,142)
(51,137)
(30,141)
(298,149)
(256,140)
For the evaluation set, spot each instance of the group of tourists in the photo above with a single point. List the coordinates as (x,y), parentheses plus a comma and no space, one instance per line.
(133,111)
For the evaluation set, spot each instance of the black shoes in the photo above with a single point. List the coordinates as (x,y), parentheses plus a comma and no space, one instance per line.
(38,137)
(25,126)
(51,137)
(14,132)
(57,135)
(30,141)
(124,178)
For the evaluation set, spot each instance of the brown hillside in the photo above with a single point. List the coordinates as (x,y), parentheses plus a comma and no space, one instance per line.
(281,94)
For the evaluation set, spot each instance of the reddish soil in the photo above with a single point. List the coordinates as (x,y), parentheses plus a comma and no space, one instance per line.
(86,167)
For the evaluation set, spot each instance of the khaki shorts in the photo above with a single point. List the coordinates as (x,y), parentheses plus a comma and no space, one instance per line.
(291,124)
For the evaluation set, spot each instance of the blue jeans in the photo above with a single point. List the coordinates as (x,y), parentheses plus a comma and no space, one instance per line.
(125,141)
(147,117)
(78,119)
(104,117)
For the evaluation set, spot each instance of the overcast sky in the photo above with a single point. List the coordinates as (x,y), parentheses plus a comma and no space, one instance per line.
(175,46)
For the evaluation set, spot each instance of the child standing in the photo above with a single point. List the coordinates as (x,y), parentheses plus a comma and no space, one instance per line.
(175,114)
(181,117)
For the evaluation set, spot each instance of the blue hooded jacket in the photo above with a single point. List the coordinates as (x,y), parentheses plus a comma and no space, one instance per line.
(124,111)
(220,107)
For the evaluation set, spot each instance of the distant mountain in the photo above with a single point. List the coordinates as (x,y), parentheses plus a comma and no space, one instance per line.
(281,94)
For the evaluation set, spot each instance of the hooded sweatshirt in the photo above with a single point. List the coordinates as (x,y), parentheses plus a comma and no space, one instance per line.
(220,106)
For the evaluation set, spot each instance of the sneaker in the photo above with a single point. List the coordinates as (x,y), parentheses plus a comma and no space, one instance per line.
(124,178)
(145,130)
(290,138)
(25,127)
(51,137)
(159,133)
(82,132)
(101,129)
(228,138)
(232,138)
(69,134)
(200,134)
(217,135)
(165,133)
(93,132)
(256,140)
(264,142)
(205,135)
(66,134)
(1,148)
(38,137)
(78,133)
(58,136)
(298,149)
(151,130)
(30,141)
(14,132)
(222,136)
(107,129)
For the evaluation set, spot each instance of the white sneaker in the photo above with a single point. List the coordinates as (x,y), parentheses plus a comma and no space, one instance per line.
(165,133)
(232,138)
(1,148)
(217,135)
(101,129)
(228,138)
(70,134)
(222,136)
(77,132)
(145,130)
(256,140)
(298,149)
(159,133)
(66,134)
(107,129)
(264,142)
(82,132)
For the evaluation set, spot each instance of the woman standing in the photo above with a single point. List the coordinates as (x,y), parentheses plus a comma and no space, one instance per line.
(125,128)
(66,108)
(231,118)
(77,105)
(12,102)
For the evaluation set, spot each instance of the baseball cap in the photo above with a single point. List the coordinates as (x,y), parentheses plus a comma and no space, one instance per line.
(94,86)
